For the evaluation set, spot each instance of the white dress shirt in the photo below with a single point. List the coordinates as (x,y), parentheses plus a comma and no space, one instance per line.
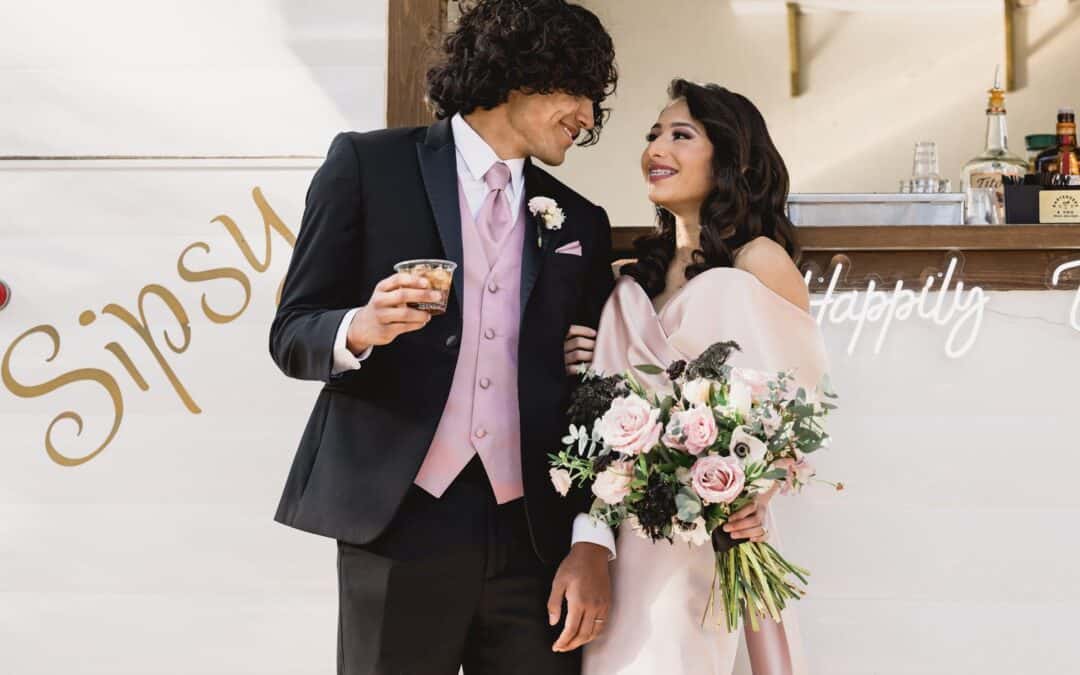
(474,158)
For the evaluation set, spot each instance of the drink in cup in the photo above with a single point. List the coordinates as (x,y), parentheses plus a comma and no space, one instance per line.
(439,273)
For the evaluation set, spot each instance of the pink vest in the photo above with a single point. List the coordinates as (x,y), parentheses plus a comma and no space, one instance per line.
(481,415)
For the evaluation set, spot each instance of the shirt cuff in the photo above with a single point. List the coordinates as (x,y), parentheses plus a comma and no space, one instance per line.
(344,359)
(590,530)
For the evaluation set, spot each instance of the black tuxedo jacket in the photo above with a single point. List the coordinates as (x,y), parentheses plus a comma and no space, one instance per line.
(380,198)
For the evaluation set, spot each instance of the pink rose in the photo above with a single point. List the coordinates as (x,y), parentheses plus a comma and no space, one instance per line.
(631,426)
(613,483)
(716,479)
(693,430)
(560,478)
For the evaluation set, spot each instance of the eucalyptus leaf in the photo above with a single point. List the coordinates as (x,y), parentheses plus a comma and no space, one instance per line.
(649,369)
(688,510)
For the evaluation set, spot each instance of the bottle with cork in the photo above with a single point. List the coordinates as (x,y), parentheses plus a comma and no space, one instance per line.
(983,177)
(1062,159)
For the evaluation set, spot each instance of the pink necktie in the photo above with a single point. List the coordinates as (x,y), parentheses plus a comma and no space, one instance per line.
(494,217)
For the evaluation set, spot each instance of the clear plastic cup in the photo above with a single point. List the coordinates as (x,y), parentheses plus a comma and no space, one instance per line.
(439,273)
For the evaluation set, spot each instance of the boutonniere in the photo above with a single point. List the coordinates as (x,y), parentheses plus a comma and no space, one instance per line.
(547,209)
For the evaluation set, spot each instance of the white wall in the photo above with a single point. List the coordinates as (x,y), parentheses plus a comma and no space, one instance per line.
(875,83)
(952,548)
(159,555)
(183,77)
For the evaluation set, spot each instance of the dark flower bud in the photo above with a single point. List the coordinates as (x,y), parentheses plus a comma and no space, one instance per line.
(676,369)
(710,363)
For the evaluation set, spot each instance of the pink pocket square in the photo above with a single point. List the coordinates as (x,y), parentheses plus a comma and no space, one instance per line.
(573,248)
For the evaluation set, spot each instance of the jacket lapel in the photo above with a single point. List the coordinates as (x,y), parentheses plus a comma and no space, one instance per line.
(438,166)
(539,241)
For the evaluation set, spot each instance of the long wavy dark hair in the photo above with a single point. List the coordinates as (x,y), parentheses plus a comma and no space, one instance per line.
(535,46)
(747,199)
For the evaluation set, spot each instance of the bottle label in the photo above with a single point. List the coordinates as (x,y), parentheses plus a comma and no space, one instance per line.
(1059,206)
(993,181)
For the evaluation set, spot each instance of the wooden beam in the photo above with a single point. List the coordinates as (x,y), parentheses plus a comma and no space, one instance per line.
(412,24)
(794,58)
(995,257)
(1010,53)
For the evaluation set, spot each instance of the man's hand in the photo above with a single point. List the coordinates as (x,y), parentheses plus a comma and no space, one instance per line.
(584,581)
(387,315)
(578,348)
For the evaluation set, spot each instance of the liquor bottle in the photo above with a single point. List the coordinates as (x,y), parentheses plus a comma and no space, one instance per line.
(1036,143)
(985,172)
(1061,159)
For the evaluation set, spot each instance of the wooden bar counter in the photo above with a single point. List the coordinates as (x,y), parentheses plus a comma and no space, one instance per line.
(995,257)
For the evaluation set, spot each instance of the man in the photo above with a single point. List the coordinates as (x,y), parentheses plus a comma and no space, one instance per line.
(426,453)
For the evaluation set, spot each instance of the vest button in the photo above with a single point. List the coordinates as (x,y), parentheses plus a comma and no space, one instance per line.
(484,383)
(481,432)
(452,341)
(489,334)
(493,287)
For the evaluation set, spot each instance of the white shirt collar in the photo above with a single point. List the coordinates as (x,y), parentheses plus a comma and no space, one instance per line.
(479,157)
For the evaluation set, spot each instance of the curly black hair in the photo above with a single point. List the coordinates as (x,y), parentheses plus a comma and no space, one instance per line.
(748,197)
(533,46)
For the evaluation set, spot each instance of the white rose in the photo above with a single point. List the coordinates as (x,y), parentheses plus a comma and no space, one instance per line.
(696,392)
(560,478)
(613,483)
(746,448)
(696,535)
(554,218)
(549,211)
(541,204)
(740,396)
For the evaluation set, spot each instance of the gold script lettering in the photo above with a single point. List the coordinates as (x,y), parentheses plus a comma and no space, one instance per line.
(142,329)
(271,221)
(193,276)
(79,375)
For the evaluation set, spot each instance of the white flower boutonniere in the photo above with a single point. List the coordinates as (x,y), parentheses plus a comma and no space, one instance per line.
(547,209)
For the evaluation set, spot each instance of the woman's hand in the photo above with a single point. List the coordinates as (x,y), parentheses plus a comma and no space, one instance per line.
(579,346)
(749,521)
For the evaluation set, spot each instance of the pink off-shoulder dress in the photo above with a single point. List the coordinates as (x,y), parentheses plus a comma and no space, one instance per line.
(660,590)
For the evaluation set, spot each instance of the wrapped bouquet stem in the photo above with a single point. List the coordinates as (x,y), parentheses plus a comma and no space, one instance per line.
(679,464)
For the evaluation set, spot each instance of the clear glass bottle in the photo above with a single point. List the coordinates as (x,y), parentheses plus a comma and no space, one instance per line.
(988,169)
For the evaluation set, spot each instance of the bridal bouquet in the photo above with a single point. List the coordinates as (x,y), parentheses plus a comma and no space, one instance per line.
(678,465)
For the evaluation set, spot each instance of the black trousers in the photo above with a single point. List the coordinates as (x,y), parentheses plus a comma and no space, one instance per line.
(454,582)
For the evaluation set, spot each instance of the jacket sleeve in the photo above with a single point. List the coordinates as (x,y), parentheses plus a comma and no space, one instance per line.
(600,280)
(321,282)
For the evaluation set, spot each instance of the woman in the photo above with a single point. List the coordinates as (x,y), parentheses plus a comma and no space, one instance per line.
(719,268)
